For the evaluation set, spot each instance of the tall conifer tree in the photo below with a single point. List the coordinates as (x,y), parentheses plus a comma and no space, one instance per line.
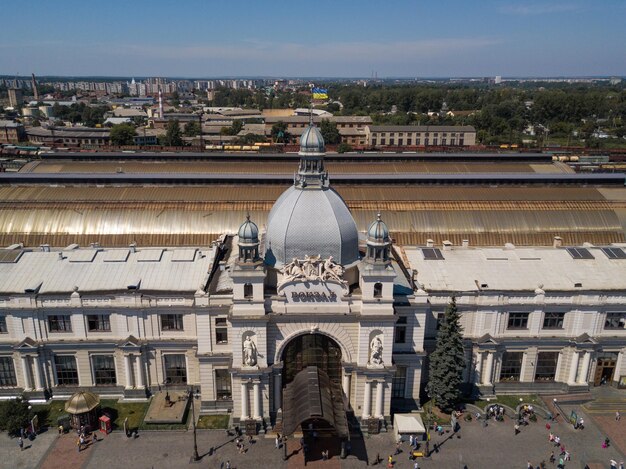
(445,372)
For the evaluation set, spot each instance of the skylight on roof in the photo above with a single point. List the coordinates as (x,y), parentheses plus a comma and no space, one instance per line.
(580,253)
(614,253)
(432,254)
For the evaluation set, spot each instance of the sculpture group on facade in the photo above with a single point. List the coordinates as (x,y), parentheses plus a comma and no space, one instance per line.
(313,268)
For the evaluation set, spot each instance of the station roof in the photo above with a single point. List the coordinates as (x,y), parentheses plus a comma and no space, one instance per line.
(517,268)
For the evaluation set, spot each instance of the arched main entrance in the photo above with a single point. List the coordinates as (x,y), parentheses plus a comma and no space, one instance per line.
(312,350)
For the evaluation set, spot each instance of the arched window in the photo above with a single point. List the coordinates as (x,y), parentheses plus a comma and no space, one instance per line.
(378,290)
(247,290)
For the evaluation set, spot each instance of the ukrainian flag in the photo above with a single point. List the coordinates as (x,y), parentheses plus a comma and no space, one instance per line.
(320,93)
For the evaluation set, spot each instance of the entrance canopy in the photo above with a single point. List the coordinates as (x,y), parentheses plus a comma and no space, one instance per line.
(313,396)
(408,424)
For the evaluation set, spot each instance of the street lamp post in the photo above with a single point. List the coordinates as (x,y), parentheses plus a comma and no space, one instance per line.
(195,456)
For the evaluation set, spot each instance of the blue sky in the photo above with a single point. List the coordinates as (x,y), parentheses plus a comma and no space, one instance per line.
(394,38)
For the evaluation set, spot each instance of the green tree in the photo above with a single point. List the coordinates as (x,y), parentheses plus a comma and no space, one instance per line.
(192,129)
(14,415)
(279,132)
(173,136)
(330,132)
(123,134)
(344,147)
(445,371)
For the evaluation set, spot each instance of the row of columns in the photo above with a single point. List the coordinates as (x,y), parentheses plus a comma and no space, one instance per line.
(31,367)
(584,372)
(134,377)
(486,372)
(256,400)
(380,399)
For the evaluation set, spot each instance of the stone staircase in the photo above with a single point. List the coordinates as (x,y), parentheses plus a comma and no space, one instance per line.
(606,406)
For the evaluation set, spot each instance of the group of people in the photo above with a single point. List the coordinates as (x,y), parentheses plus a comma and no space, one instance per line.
(496,412)
(83,438)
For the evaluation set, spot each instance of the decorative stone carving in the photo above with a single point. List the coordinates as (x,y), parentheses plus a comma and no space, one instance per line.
(376,352)
(249,351)
(313,268)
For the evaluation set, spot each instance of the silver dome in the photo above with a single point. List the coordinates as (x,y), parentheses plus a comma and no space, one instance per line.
(311,222)
(311,141)
(248,232)
(378,232)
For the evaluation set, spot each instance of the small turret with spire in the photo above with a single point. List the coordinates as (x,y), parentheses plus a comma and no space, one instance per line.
(378,242)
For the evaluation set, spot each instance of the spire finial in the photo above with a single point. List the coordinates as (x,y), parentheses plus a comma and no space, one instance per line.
(378,218)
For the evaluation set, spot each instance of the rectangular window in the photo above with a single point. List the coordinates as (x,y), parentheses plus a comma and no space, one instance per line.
(409,142)
(60,323)
(221,331)
(553,320)
(223,387)
(426,141)
(435,141)
(546,366)
(67,372)
(104,370)
(432,254)
(400,141)
(417,141)
(400,330)
(171,322)
(580,253)
(175,369)
(3,325)
(615,320)
(398,384)
(614,253)
(7,372)
(391,141)
(98,323)
(511,366)
(383,141)
(374,142)
(517,321)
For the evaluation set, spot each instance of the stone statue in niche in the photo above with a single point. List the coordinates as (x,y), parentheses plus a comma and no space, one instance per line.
(376,351)
(249,352)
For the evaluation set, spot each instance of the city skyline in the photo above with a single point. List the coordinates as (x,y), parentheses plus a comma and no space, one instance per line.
(351,39)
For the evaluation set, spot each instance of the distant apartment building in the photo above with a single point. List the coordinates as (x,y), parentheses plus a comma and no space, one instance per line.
(16,97)
(420,135)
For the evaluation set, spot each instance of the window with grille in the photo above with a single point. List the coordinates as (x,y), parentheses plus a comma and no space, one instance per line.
(614,253)
(546,366)
(432,254)
(171,322)
(175,369)
(615,320)
(104,370)
(580,253)
(553,320)
(66,369)
(3,325)
(223,387)
(98,323)
(511,366)
(221,331)
(398,385)
(400,337)
(60,323)
(7,372)
(517,321)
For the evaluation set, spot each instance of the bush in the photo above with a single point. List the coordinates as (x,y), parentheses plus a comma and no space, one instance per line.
(468,417)
(14,415)
(343,148)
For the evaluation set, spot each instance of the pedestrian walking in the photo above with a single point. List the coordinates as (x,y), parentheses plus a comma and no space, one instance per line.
(78,445)
(529,465)
(228,464)
(60,430)
(613,464)
(552,458)
(277,441)
(416,465)
(398,445)
(20,443)
(516,427)
(617,415)
(411,440)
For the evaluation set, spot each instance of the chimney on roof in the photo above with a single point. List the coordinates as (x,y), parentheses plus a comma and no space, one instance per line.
(133,247)
(45,247)
(447,245)
(95,245)
(430,243)
(465,243)
(558,242)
